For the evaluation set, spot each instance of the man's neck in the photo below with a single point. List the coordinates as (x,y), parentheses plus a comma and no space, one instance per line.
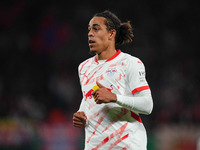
(104,55)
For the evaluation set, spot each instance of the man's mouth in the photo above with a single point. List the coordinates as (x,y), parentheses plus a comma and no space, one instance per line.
(91,42)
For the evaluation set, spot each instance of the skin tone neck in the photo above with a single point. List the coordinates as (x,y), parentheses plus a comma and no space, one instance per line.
(106,54)
(101,41)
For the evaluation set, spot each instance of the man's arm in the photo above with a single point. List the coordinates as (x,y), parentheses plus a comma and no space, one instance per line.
(142,102)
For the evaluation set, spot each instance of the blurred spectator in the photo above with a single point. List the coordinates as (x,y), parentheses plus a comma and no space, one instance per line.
(57,133)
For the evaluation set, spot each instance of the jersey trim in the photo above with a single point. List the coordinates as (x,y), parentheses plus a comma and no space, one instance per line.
(114,56)
(140,89)
(95,59)
(109,59)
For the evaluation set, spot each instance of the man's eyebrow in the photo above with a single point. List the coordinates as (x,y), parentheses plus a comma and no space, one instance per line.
(94,25)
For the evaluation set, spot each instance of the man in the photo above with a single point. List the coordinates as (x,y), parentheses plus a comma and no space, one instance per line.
(114,89)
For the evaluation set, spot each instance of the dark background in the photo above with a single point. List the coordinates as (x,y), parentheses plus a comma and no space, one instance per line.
(43,42)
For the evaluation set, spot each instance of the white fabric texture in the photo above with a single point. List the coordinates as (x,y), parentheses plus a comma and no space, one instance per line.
(115,125)
(142,103)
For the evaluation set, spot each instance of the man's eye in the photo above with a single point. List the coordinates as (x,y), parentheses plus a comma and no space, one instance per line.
(96,29)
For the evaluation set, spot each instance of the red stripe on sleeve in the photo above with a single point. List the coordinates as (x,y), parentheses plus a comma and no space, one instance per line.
(140,89)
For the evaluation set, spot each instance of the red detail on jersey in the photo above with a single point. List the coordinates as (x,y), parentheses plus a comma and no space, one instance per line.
(114,56)
(118,141)
(89,94)
(123,64)
(118,133)
(139,62)
(92,76)
(92,105)
(95,59)
(123,112)
(85,73)
(119,78)
(97,125)
(136,117)
(91,81)
(140,89)
(126,147)
(110,88)
(113,65)
(111,70)
(94,115)
(109,59)
(83,65)
(100,77)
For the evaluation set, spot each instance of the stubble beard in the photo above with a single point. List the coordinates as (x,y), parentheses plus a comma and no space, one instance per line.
(92,51)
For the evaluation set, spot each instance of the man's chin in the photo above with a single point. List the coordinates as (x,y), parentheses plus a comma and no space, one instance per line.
(92,51)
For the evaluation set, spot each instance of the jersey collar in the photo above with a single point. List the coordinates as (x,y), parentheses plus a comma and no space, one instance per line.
(109,59)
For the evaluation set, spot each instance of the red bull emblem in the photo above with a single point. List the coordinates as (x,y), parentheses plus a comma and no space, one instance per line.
(89,94)
(111,88)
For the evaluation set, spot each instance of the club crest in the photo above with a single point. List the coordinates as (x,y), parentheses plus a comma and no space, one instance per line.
(111,71)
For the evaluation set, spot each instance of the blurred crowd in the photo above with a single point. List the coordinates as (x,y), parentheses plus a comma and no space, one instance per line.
(42,43)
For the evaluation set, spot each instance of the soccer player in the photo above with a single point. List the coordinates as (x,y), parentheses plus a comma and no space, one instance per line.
(114,87)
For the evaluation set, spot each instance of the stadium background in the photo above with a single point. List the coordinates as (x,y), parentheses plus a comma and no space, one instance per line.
(42,44)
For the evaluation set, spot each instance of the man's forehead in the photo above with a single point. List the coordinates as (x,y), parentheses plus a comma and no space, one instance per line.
(97,21)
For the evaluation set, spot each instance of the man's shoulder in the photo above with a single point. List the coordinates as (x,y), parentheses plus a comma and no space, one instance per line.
(130,58)
(85,62)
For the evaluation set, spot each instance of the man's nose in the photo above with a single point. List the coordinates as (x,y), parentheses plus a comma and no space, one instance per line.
(90,33)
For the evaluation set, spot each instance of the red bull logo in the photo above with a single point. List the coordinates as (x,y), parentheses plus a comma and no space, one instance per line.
(111,88)
(89,94)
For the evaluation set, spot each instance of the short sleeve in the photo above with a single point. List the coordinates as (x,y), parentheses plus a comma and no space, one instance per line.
(136,75)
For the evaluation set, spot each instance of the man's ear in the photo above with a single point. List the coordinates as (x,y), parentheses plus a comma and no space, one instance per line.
(112,34)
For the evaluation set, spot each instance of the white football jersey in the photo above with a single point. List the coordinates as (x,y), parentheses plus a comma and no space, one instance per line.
(109,125)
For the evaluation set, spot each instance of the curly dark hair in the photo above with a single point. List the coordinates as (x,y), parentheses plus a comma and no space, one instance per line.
(124,31)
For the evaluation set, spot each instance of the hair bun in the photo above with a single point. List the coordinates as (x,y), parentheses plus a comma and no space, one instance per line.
(124,30)
(125,33)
